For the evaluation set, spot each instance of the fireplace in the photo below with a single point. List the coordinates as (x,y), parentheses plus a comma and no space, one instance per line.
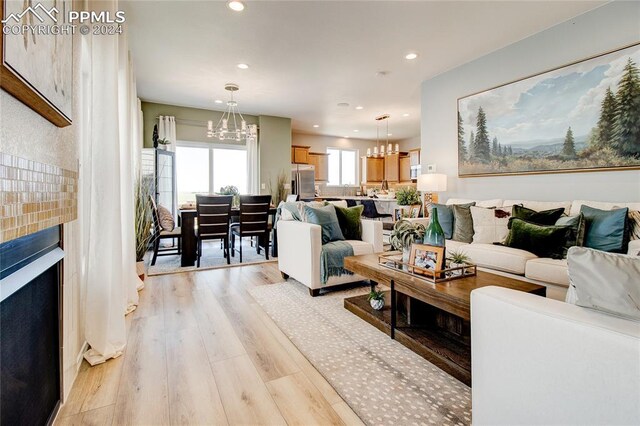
(30,328)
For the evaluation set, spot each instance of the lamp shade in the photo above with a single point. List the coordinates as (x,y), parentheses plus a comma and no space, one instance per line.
(432,182)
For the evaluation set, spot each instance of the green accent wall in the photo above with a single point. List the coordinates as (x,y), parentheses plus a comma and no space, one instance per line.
(275,149)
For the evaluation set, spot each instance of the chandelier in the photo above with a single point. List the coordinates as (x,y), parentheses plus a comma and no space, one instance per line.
(232,125)
(379,150)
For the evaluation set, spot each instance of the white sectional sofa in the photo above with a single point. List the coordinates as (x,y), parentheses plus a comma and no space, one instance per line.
(537,361)
(506,260)
(300,244)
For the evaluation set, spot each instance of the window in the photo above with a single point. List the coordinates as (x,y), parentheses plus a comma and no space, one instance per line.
(203,169)
(343,166)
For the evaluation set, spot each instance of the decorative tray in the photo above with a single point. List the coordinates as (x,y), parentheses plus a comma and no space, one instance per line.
(393,260)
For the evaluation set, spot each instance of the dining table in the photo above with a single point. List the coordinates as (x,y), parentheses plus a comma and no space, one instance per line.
(187,221)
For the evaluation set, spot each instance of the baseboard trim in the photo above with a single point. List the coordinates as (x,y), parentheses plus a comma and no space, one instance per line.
(80,357)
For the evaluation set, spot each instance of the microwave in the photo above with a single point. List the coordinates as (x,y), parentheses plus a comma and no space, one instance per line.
(415,172)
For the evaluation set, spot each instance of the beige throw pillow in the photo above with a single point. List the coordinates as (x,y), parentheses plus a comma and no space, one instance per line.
(604,281)
(166,218)
(490,225)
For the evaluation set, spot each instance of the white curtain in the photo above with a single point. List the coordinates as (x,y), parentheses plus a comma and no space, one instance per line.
(167,130)
(253,172)
(109,133)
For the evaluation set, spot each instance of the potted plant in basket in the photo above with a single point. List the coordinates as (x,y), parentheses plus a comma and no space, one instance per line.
(376,300)
(456,259)
(142,222)
(408,196)
(404,234)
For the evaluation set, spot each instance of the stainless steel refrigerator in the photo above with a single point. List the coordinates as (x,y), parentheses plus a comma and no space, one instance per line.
(303,181)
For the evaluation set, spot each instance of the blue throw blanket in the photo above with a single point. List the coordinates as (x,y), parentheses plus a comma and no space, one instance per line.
(332,260)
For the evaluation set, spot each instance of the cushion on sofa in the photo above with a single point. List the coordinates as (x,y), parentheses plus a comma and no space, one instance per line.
(540,205)
(325,217)
(490,224)
(167,223)
(548,270)
(606,282)
(576,205)
(498,257)
(634,224)
(452,245)
(350,221)
(606,229)
(541,240)
(483,203)
(338,203)
(445,216)
(462,223)
(544,217)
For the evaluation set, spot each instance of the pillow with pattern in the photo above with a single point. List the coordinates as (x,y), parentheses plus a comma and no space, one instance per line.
(167,223)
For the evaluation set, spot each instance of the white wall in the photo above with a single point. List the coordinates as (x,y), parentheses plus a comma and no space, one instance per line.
(609,27)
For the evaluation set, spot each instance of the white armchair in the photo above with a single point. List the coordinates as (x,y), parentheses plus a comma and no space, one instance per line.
(300,245)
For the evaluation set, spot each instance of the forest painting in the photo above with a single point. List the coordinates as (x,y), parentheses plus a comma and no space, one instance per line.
(581,117)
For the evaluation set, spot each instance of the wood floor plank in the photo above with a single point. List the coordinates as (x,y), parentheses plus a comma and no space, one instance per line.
(301,403)
(143,394)
(217,333)
(193,395)
(347,415)
(98,417)
(301,361)
(178,303)
(244,395)
(267,354)
(151,301)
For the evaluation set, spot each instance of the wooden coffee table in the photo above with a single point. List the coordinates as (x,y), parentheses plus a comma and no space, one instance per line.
(433,320)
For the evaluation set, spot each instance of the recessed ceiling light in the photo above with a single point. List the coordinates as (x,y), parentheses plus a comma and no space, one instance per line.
(343,104)
(359,107)
(218,101)
(411,56)
(356,130)
(316,125)
(243,66)
(235,5)
(405,115)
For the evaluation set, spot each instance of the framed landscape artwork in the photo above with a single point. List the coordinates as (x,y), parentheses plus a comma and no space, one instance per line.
(577,118)
(37,68)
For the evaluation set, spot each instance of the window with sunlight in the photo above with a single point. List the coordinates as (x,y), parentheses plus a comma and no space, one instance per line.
(230,168)
(343,166)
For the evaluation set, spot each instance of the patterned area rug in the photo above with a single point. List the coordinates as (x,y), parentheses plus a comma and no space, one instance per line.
(212,258)
(382,381)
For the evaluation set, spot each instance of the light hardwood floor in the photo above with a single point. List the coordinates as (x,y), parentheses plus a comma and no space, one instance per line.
(202,351)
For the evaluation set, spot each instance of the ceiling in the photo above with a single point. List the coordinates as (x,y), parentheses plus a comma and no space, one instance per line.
(306,57)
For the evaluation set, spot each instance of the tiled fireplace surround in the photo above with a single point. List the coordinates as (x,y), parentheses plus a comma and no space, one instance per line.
(34,196)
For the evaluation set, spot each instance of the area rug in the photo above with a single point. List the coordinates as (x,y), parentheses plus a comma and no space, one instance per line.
(212,258)
(382,381)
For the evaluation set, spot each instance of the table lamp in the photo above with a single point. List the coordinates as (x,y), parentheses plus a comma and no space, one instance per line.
(430,184)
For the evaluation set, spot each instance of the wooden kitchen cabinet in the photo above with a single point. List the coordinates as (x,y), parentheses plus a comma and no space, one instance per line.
(320,162)
(392,168)
(414,155)
(372,169)
(300,154)
(405,169)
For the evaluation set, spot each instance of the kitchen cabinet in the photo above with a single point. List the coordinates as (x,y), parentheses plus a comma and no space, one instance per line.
(300,154)
(320,162)
(405,169)
(392,168)
(372,169)
(414,155)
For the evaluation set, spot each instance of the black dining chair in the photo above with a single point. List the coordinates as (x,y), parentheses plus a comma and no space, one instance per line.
(351,203)
(159,234)
(253,222)
(371,212)
(214,212)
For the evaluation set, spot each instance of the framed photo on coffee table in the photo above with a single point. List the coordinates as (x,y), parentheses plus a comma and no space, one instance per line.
(426,259)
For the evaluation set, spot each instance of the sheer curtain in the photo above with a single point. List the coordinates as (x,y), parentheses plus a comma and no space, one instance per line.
(167,130)
(253,173)
(109,140)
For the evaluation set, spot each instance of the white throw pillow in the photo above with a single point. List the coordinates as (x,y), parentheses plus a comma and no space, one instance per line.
(490,225)
(607,282)
(339,203)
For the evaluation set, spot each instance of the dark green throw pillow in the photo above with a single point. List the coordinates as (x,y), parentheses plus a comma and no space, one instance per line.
(541,240)
(576,237)
(606,229)
(350,220)
(325,217)
(545,217)
(462,223)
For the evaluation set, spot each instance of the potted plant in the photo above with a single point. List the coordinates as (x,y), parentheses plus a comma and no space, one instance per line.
(279,193)
(407,196)
(163,143)
(142,222)
(404,234)
(456,259)
(376,300)
(231,190)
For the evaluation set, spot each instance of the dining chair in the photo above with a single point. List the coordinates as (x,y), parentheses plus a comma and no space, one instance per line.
(160,234)
(370,210)
(214,212)
(253,222)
